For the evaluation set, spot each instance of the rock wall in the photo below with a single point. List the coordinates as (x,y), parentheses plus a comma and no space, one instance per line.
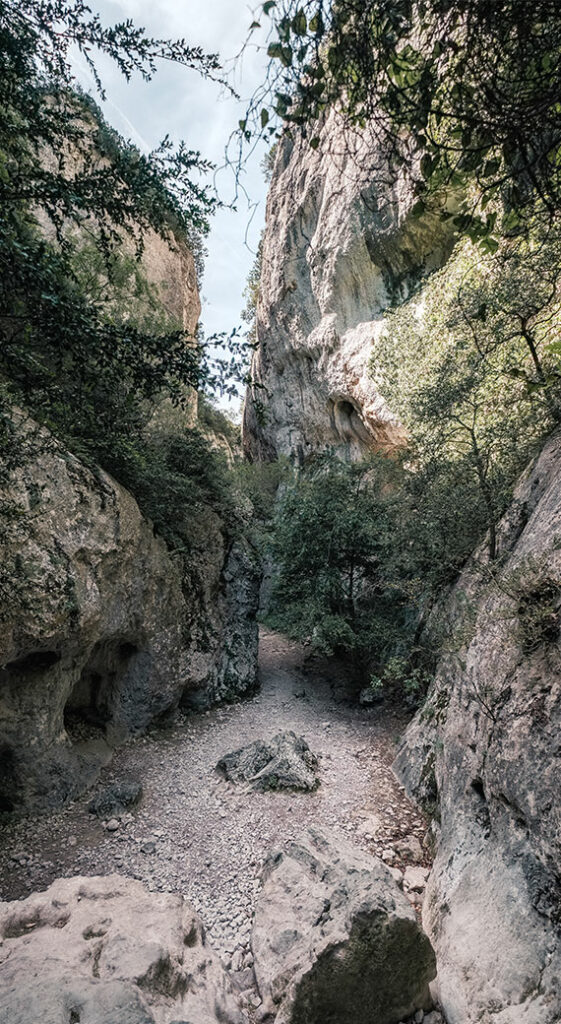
(340,246)
(100,632)
(102,629)
(484,756)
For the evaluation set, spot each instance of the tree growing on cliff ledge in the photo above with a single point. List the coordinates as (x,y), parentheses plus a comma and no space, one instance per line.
(470,366)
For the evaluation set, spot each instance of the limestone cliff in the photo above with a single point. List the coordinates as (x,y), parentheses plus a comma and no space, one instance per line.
(103,628)
(484,756)
(339,248)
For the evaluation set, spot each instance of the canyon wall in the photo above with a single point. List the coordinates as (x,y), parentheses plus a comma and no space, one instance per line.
(483,755)
(340,247)
(103,627)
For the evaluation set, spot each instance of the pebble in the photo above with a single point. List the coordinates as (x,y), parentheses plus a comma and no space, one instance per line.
(112,825)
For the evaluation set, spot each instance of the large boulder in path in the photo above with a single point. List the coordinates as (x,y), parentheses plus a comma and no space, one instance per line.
(284,762)
(335,941)
(105,951)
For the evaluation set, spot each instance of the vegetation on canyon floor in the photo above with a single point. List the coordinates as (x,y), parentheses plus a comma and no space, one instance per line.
(462,100)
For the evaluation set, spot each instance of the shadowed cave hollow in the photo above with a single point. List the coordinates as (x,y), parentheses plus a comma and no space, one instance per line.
(91,704)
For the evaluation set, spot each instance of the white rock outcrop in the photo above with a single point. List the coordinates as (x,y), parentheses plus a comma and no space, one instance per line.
(340,246)
(484,757)
(335,939)
(106,951)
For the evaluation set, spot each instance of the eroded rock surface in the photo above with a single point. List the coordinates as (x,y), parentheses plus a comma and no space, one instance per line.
(103,630)
(335,940)
(284,762)
(484,757)
(116,799)
(340,247)
(105,951)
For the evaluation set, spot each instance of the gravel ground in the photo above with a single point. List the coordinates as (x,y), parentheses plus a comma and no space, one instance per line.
(200,835)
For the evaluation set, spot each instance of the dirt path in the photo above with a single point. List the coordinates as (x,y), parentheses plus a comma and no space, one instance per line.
(195,833)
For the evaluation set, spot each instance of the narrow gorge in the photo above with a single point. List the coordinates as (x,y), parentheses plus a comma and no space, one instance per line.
(280,699)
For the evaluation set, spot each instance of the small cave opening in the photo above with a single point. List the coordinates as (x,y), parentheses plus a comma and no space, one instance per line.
(91,703)
(477,786)
(348,426)
(35,661)
(481,809)
(8,777)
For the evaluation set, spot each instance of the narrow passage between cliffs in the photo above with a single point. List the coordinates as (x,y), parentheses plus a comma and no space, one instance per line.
(196,834)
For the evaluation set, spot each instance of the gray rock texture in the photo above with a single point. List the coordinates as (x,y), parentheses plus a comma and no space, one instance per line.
(334,939)
(115,799)
(105,951)
(284,762)
(103,630)
(340,246)
(484,757)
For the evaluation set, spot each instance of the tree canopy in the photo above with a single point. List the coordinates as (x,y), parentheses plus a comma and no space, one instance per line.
(458,91)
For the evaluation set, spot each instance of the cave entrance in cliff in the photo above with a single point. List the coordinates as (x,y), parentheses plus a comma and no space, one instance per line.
(348,427)
(91,704)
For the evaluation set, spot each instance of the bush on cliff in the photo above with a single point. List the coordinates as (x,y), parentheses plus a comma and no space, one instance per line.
(87,347)
(470,366)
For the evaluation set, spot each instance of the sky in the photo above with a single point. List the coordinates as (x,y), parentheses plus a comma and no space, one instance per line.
(178,103)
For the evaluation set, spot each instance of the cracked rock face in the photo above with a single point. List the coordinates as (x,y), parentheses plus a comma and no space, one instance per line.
(284,762)
(340,247)
(105,951)
(100,633)
(335,939)
(484,756)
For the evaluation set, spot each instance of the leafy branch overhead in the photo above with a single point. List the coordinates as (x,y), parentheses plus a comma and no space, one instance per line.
(457,93)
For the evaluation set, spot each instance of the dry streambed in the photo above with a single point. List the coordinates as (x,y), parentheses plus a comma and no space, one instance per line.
(196,834)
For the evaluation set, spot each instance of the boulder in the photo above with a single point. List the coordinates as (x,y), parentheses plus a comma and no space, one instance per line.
(334,939)
(105,951)
(284,762)
(116,799)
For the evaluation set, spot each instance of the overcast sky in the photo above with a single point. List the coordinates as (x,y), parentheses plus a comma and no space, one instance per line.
(179,103)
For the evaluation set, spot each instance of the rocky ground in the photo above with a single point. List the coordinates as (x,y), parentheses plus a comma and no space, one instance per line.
(198,834)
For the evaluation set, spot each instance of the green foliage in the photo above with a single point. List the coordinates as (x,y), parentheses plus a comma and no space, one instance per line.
(87,346)
(217,422)
(349,557)
(463,92)
(116,284)
(401,676)
(176,478)
(251,294)
(468,369)
(268,161)
(260,482)
(538,615)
